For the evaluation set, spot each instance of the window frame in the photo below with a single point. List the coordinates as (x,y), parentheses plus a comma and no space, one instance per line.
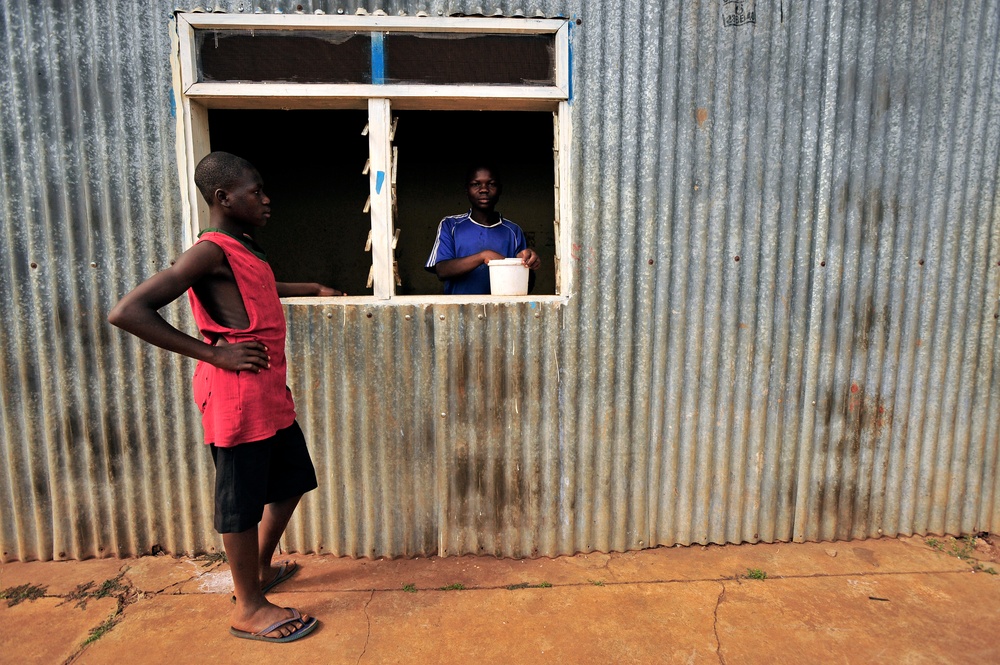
(194,99)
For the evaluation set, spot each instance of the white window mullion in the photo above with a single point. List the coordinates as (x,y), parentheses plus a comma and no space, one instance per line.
(194,118)
(564,197)
(562,60)
(380,188)
(192,130)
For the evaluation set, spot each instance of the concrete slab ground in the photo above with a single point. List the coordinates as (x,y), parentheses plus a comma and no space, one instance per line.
(908,600)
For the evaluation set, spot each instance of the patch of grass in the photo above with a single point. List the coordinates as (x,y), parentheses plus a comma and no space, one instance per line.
(409,588)
(14,595)
(964,547)
(111,588)
(98,632)
(117,588)
(457,586)
(961,548)
(755,574)
(597,582)
(526,585)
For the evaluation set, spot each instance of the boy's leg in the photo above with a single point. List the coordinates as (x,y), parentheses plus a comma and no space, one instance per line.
(272,526)
(291,474)
(253,612)
(241,475)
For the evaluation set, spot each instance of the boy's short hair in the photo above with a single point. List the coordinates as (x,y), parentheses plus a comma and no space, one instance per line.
(219,170)
(481,166)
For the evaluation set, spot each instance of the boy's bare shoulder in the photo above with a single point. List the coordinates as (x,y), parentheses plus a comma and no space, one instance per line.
(201,260)
(202,263)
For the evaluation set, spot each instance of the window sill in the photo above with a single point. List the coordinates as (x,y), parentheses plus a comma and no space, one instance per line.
(411,301)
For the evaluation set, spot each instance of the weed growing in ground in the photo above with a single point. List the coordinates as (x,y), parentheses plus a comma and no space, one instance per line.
(526,585)
(457,586)
(15,595)
(962,548)
(409,588)
(109,588)
(756,574)
(97,633)
(116,587)
(597,582)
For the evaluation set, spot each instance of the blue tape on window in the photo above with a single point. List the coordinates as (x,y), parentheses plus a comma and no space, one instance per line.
(378,59)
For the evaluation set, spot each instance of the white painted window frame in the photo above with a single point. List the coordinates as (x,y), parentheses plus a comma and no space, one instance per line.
(194,99)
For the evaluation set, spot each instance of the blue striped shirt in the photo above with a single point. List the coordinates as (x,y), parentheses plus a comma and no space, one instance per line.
(459,236)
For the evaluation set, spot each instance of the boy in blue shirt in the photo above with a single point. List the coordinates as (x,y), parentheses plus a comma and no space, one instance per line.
(465,243)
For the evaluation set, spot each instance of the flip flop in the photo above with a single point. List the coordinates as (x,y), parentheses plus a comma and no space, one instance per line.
(306,628)
(285,570)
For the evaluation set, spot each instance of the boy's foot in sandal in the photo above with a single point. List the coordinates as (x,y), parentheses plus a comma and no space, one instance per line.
(288,629)
(284,571)
(281,573)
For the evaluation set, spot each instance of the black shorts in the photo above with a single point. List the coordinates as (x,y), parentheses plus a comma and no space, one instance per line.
(250,475)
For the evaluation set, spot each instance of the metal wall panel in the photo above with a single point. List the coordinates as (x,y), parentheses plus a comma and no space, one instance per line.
(785,250)
(91,432)
(506,8)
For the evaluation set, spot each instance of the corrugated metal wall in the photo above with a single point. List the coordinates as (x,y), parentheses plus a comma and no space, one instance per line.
(786,252)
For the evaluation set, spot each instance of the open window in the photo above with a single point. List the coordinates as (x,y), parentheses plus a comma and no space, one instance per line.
(362,128)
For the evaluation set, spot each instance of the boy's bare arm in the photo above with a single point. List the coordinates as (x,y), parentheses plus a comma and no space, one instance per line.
(297,289)
(138,313)
(457,267)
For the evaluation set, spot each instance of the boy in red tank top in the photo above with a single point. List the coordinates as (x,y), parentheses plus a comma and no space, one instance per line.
(262,465)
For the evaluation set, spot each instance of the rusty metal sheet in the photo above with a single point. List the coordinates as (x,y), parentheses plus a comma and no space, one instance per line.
(785,250)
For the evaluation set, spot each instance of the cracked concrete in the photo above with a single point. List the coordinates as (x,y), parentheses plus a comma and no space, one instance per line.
(368,620)
(715,623)
(891,600)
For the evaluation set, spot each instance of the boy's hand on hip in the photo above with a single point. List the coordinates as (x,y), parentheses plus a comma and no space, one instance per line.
(243,356)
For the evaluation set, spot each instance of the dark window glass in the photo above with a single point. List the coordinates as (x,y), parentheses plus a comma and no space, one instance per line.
(310,162)
(435,151)
(282,55)
(437,58)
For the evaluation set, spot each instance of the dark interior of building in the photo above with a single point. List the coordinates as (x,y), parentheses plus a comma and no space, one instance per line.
(312,162)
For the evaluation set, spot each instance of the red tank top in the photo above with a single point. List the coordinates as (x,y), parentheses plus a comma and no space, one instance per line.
(240,407)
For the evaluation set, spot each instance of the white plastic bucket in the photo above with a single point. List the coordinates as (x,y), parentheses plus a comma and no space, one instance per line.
(508,277)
